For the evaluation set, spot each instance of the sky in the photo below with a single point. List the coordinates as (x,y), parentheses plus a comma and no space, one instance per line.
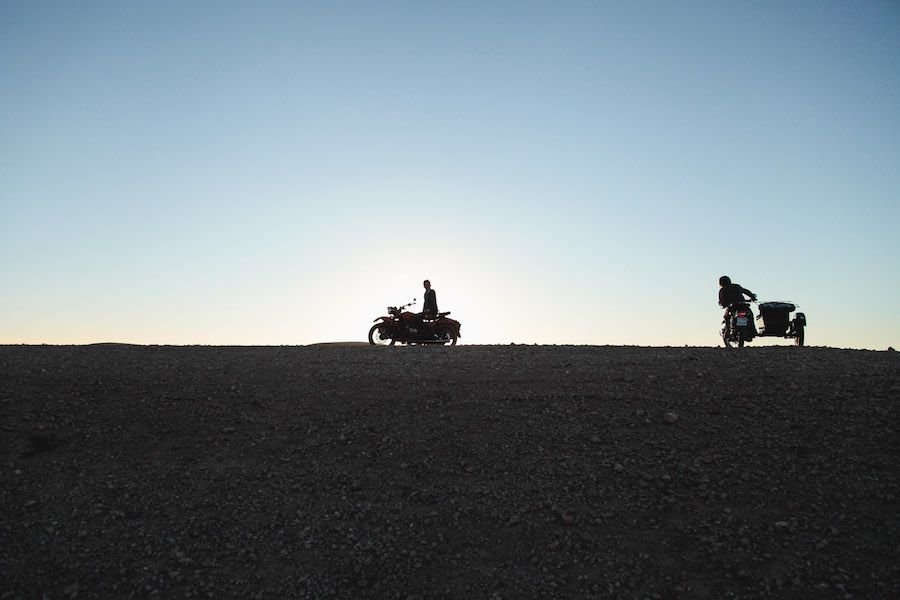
(278,173)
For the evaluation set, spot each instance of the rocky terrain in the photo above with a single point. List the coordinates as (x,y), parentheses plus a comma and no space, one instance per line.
(470,472)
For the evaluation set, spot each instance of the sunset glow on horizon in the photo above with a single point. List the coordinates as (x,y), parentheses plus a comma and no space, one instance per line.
(231,174)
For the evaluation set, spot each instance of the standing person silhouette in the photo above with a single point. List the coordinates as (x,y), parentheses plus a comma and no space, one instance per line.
(429,308)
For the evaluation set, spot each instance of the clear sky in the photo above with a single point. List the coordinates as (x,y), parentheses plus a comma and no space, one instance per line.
(563,172)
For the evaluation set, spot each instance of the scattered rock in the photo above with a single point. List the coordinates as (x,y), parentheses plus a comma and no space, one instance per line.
(466,472)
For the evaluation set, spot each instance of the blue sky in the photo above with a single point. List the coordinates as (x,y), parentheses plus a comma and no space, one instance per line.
(575,172)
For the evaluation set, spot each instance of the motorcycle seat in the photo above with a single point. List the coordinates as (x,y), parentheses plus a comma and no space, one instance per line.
(734,305)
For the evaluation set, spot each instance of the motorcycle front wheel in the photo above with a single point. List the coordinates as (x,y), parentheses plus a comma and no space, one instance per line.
(381,335)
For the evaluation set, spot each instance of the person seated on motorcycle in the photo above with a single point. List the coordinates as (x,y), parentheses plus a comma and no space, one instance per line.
(731,294)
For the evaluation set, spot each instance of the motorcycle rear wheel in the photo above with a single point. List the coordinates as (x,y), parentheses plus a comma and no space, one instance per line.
(729,341)
(732,342)
(380,335)
(447,335)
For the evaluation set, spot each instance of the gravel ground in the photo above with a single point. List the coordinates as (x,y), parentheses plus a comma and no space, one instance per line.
(469,472)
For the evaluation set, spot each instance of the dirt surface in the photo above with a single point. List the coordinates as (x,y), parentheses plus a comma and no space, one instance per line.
(470,472)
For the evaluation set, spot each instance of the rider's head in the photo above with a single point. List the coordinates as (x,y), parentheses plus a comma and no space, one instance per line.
(427,284)
(724,280)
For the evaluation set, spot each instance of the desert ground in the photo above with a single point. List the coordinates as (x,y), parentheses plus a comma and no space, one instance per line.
(483,472)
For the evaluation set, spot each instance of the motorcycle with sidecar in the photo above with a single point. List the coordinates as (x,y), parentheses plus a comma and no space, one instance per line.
(402,326)
(774,320)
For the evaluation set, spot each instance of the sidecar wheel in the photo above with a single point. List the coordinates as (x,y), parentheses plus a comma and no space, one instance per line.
(380,335)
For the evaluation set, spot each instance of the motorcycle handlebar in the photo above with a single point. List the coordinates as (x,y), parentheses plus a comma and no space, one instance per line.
(392,308)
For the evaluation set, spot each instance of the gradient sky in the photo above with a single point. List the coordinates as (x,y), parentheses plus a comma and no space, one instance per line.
(563,172)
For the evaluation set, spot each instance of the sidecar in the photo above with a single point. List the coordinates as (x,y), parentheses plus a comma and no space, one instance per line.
(774,320)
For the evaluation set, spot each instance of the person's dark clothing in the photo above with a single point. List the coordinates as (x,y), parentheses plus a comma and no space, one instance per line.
(430,307)
(732,294)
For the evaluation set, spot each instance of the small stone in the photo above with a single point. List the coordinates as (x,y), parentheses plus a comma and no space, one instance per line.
(671,417)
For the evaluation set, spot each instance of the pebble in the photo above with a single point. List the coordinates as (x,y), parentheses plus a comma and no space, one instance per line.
(376,460)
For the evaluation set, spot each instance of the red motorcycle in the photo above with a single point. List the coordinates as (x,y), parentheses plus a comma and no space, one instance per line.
(412,328)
